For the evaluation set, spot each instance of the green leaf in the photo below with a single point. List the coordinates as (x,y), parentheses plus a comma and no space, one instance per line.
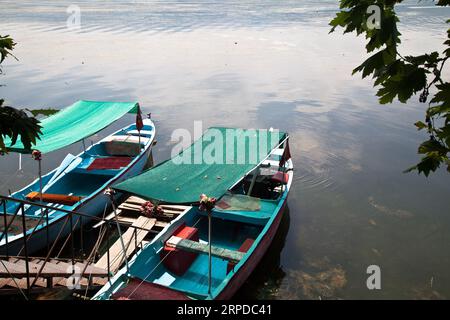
(44,112)
(420,125)
(15,123)
(432,146)
(428,164)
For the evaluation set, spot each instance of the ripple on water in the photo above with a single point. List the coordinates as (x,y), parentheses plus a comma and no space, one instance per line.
(314,181)
(320,171)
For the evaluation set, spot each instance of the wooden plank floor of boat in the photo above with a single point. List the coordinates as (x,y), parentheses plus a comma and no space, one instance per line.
(129,213)
(130,239)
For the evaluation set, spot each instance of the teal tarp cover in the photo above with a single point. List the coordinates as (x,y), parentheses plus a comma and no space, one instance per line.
(210,166)
(74,123)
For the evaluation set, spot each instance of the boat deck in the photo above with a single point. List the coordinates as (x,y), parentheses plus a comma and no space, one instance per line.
(228,236)
(141,230)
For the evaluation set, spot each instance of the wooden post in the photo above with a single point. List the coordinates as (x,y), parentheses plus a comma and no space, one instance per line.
(50,282)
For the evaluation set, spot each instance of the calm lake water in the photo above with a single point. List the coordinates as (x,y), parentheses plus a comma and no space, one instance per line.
(260,64)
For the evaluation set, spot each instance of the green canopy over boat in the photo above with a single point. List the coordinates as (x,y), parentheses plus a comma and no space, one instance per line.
(211,165)
(74,123)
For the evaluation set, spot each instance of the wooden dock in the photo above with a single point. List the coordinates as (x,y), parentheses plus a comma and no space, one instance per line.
(55,273)
(37,274)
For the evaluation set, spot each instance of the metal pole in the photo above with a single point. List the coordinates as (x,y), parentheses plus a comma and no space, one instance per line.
(27,266)
(107,245)
(81,235)
(5,231)
(135,239)
(40,180)
(210,256)
(72,242)
(120,234)
(47,229)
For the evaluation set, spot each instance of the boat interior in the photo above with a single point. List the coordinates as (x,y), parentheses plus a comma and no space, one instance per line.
(78,177)
(179,260)
(185,269)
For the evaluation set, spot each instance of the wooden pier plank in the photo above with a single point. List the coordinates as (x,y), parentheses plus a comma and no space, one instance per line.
(5,282)
(18,270)
(22,283)
(129,240)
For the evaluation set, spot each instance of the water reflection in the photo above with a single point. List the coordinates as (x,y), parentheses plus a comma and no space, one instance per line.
(259,64)
(268,275)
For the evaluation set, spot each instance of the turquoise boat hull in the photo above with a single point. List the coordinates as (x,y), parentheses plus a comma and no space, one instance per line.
(149,277)
(90,184)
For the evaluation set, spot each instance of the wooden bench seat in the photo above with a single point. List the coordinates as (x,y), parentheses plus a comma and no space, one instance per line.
(143,132)
(197,247)
(127,138)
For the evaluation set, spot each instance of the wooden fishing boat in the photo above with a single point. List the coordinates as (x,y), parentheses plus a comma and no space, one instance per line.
(78,184)
(209,254)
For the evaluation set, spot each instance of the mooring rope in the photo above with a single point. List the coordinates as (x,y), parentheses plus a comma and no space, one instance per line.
(101,234)
(93,251)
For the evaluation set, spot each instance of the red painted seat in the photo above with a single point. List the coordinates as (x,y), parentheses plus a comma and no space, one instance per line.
(280,177)
(178,261)
(243,248)
(109,163)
